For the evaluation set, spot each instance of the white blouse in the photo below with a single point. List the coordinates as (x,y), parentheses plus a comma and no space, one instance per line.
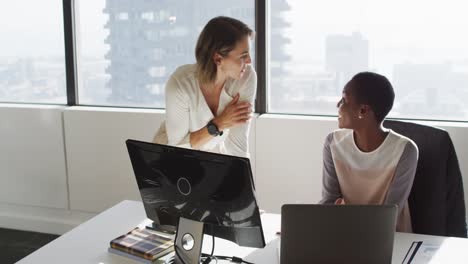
(187,111)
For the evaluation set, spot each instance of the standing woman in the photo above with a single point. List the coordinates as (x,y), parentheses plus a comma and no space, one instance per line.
(209,104)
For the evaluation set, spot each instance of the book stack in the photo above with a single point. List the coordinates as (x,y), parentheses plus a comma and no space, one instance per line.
(144,245)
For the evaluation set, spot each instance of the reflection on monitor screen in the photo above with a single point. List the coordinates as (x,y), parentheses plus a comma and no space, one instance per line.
(211,188)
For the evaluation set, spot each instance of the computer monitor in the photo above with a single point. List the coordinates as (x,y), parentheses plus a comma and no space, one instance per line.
(212,191)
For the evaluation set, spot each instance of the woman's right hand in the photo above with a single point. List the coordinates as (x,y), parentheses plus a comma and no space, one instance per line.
(234,114)
(340,201)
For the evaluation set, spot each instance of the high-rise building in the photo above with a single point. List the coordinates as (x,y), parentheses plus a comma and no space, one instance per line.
(149,39)
(278,56)
(346,55)
(429,89)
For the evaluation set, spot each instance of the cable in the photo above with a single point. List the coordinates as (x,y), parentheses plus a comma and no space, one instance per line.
(212,235)
(210,257)
(233,259)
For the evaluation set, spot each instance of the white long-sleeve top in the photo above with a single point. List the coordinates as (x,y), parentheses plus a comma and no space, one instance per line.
(382,176)
(187,111)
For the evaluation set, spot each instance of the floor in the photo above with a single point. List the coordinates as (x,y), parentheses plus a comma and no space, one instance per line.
(15,244)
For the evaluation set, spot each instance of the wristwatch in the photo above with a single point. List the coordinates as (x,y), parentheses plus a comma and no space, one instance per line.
(213,129)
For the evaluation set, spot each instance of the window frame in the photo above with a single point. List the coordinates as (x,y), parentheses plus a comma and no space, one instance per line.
(70,51)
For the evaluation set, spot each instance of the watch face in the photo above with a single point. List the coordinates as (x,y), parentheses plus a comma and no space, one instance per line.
(212,129)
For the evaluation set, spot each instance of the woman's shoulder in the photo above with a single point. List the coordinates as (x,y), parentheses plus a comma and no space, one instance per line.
(338,136)
(247,83)
(403,140)
(182,79)
(184,72)
(341,134)
(249,76)
(249,72)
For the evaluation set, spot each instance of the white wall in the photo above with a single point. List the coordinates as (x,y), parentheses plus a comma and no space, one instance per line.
(289,159)
(61,165)
(99,170)
(32,160)
(33,176)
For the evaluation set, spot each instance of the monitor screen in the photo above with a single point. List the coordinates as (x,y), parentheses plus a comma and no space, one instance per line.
(212,188)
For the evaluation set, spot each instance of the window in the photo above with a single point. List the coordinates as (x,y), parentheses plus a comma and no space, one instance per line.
(32,55)
(129,48)
(122,16)
(420,46)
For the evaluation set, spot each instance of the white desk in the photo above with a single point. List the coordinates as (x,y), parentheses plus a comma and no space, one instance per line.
(88,242)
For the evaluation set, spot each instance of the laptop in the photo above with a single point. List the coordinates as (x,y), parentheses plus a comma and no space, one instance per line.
(315,233)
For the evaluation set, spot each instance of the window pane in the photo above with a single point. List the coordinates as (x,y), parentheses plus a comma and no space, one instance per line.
(421,46)
(128,48)
(32,64)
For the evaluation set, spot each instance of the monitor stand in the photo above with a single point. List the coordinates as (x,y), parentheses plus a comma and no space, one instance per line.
(188,241)
(170,230)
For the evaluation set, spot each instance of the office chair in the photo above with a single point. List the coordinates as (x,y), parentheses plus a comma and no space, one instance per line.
(436,200)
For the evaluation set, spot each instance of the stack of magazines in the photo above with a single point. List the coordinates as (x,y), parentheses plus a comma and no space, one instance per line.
(144,245)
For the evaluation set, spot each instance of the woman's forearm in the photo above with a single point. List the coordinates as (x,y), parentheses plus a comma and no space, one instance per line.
(199,138)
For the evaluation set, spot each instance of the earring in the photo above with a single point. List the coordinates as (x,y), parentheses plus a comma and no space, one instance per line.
(360,116)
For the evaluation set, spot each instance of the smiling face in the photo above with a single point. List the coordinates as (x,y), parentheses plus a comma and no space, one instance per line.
(234,64)
(349,109)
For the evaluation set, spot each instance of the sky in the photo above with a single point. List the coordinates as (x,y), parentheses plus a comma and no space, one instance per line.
(31,28)
(398,30)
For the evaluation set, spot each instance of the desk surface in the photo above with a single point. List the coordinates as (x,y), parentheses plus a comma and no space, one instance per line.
(88,242)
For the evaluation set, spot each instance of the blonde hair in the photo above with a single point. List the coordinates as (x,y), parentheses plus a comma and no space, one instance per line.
(220,35)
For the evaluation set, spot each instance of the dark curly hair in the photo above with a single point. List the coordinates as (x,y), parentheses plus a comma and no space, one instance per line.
(374,90)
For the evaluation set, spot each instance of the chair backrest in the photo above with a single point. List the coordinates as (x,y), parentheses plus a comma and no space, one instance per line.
(436,201)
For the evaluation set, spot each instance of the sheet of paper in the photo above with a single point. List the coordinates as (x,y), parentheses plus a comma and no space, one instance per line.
(425,253)
(421,253)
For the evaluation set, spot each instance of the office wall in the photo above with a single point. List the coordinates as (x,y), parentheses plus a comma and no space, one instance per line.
(289,159)
(32,160)
(33,175)
(99,170)
(51,195)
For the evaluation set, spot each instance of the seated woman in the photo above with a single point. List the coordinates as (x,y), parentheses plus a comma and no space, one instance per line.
(363,162)
(209,104)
